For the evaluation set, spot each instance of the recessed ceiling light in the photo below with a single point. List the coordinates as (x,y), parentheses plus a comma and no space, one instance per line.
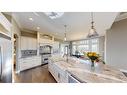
(30,18)
(38,28)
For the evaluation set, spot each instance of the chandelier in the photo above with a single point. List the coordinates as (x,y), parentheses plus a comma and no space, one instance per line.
(92,33)
(54,15)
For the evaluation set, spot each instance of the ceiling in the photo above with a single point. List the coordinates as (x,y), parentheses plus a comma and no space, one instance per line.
(78,23)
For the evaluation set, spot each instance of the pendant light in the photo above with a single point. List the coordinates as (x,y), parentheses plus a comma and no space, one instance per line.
(92,33)
(65,38)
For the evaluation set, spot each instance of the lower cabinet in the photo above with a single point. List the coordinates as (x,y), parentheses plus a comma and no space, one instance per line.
(30,62)
(59,74)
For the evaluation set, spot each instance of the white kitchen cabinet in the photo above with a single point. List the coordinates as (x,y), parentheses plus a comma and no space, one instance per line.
(59,74)
(28,43)
(53,71)
(30,62)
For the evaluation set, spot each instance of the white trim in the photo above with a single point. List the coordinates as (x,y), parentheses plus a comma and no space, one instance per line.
(121,17)
(4,21)
(122,70)
(17,72)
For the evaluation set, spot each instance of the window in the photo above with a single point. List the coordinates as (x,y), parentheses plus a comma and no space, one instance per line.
(94,45)
(85,46)
(94,48)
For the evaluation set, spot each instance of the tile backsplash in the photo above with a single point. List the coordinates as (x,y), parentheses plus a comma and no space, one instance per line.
(26,53)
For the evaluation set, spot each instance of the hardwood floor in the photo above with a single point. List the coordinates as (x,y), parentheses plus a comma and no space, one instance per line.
(35,75)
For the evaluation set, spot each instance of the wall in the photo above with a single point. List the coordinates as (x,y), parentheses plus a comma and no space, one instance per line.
(116,45)
(16,30)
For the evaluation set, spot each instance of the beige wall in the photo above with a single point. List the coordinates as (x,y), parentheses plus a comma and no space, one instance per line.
(116,45)
(16,30)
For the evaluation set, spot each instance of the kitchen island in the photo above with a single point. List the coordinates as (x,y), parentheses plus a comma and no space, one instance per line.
(79,71)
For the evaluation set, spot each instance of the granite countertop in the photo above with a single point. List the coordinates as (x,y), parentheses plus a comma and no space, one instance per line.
(84,73)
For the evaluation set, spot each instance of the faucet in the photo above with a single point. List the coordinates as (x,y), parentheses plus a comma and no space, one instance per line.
(66,55)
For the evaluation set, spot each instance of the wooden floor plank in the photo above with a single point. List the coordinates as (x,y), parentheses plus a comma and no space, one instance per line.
(35,75)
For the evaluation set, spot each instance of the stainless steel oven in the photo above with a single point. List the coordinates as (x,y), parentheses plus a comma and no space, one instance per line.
(45,52)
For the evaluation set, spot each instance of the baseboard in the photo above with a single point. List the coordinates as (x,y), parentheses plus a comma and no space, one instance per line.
(34,67)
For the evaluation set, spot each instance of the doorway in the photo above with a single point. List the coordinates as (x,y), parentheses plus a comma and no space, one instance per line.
(66,50)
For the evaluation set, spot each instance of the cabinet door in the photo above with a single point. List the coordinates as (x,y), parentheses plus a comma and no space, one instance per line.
(34,44)
(28,43)
(53,70)
(23,43)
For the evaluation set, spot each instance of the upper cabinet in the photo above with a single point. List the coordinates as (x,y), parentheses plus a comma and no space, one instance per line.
(28,43)
(28,40)
(5,25)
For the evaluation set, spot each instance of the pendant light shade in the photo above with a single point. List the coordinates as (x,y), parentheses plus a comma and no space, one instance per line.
(92,33)
(65,39)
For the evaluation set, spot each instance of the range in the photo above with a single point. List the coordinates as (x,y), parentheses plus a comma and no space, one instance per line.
(45,52)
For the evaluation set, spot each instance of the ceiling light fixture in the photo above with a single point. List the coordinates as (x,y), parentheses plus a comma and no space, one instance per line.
(30,18)
(54,15)
(65,38)
(38,28)
(92,33)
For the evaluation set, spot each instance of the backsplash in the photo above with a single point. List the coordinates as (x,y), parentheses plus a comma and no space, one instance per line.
(26,53)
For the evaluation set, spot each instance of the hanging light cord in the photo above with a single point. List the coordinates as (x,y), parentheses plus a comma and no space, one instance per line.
(65,30)
(92,22)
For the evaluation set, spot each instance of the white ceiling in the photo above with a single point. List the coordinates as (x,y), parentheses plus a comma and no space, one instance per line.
(78,23)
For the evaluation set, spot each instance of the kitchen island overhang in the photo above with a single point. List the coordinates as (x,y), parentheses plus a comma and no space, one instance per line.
(79,70)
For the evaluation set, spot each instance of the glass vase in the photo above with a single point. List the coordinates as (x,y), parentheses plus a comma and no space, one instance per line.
(92,65)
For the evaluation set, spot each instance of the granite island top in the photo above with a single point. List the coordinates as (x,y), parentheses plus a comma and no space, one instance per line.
(84,73)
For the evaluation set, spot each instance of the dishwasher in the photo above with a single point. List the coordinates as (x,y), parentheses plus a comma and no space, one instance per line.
(72,79)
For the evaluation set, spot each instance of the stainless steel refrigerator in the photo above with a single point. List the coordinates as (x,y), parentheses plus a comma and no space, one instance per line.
(5,59)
